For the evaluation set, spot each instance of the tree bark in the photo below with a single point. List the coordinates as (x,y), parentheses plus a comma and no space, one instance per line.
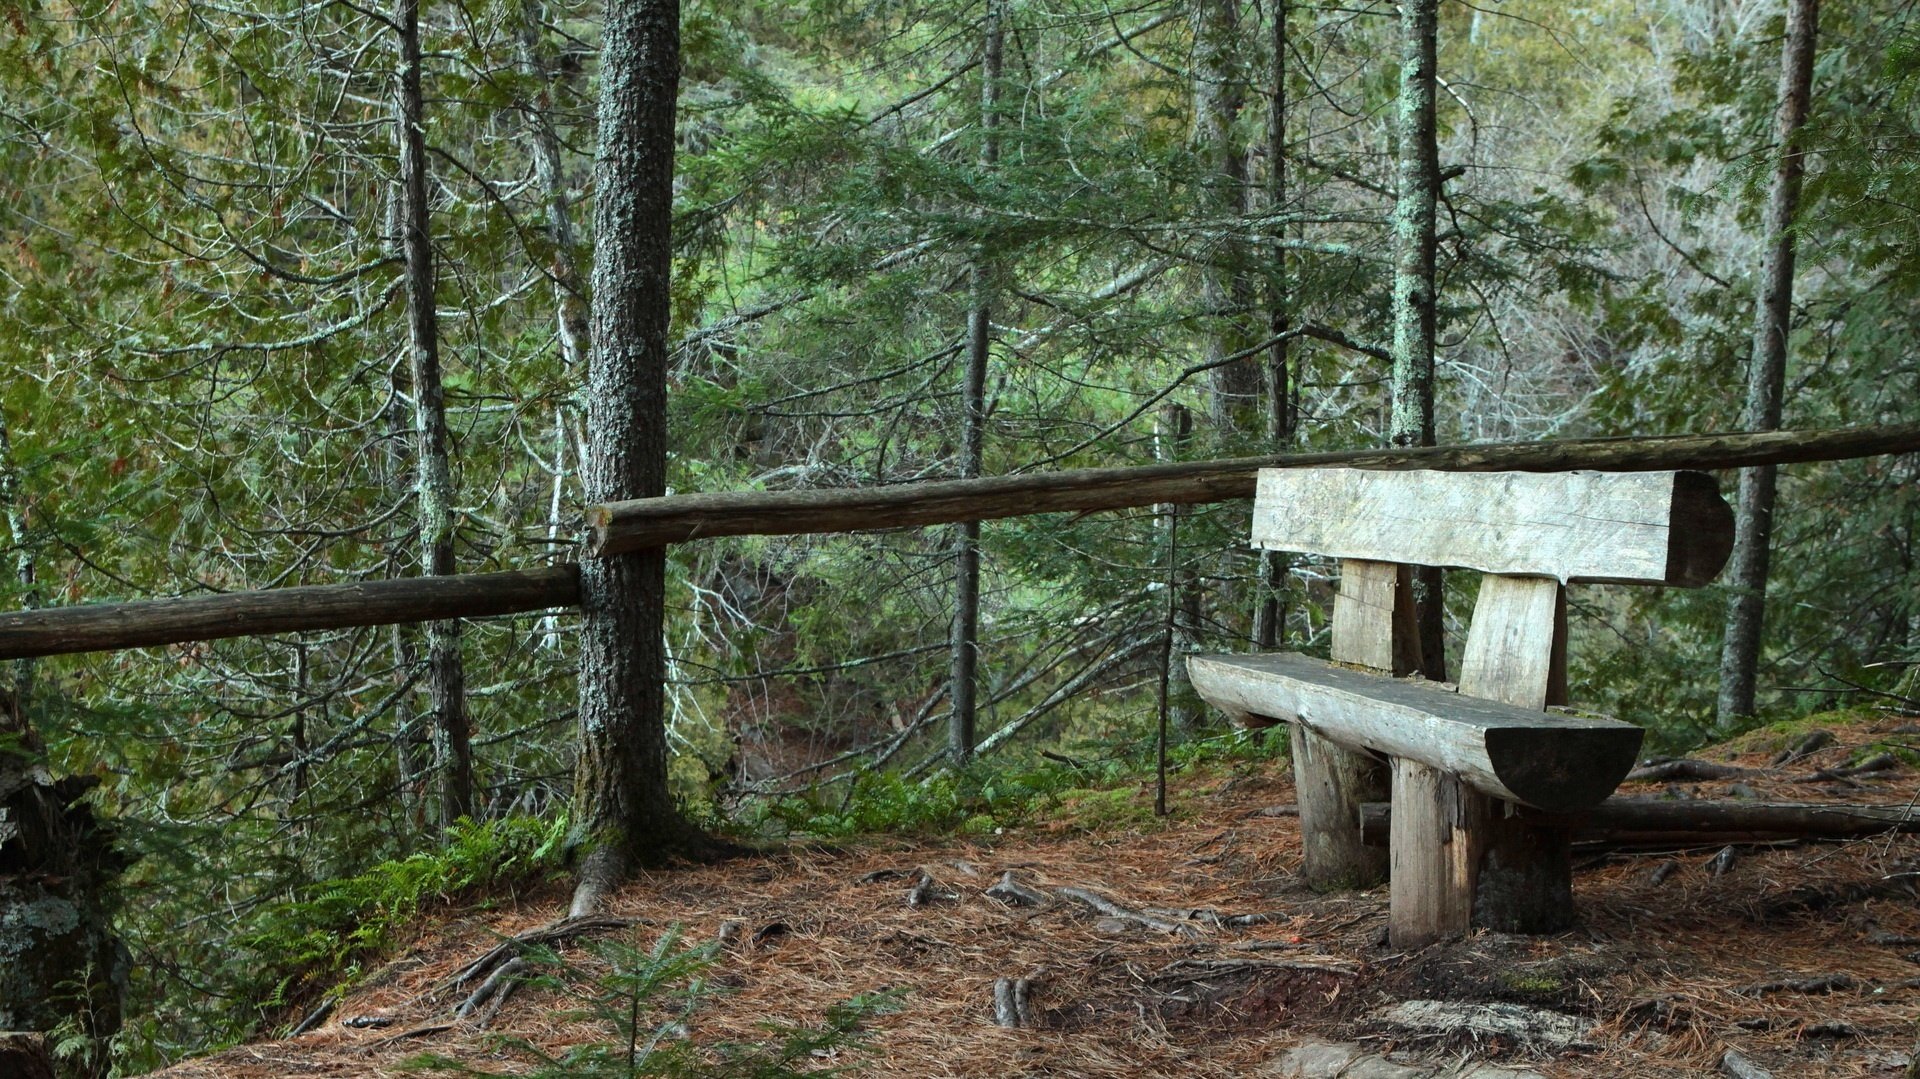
(1415,286)
(1766,373)
(433,484)
(59,958)
(572,328)
(1270,610)
(965,629)
(1172,430)
(24,570)
(1226,293)
(623,810)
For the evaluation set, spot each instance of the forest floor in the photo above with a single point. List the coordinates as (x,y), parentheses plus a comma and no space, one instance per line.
(1802,958)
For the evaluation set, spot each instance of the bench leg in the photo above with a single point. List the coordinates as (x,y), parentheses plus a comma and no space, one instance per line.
(1439,828)
(1525,883)
(1461,860)
(1330,785)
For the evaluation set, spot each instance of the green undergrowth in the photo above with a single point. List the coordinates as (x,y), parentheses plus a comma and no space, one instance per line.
(647,1000)
(1107,790)
(319,939)
(1773,737)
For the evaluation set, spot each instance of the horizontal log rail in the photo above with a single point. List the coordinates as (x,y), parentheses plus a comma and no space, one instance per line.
(101,626)
(620,527)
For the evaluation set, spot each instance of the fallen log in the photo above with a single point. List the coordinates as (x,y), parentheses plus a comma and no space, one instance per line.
(618,527)
(1687,770)
(1640,819)
(54,631)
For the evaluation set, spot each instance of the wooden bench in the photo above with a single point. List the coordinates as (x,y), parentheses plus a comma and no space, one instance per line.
(1458,762)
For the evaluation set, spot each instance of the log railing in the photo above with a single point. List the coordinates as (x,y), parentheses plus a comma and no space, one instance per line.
(619,527)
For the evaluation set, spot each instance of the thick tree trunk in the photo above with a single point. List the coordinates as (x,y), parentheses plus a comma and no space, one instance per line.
(965,641)
(1415,285)
(1226,292)
(1766,374)
(623,810)
(446,675)
(1270,610)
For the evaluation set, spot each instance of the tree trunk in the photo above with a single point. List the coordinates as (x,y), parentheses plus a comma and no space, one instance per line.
(973,423)
(1172,430)
(1766,374)
(1226,293)
(623,809)
(572,329)
(24,570)
(1270,610)
(59,958)
(1415,285)
(433,484)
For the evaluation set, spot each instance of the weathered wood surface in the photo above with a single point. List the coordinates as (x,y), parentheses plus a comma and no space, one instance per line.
(1439,832)
(1541,759)
(95,627)
(1517,654)
(1628,527)
(616,527)
(1373,618)
(1517,643)
(1373,627)
(1690,820)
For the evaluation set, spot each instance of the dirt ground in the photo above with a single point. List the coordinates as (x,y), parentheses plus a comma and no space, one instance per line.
(1675,965)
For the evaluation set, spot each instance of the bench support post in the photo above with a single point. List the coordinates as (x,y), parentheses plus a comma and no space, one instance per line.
(1462,858)
(1373,626)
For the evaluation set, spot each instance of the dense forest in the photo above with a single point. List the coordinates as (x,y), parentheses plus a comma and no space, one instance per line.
(303,293)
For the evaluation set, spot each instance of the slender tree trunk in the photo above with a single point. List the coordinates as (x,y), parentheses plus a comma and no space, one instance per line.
(572,328)
(1178,703)
(1270,611)
(23,571)
(1767,372)
(446,676)
(622,806)
(1415,286)
(58,868)
(1226,292)
(549,169)
(973,398)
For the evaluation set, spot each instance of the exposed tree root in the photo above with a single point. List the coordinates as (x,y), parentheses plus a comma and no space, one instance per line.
(1114,910)
(513,947)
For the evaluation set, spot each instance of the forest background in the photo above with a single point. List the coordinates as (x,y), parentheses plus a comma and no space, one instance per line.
(1156,231)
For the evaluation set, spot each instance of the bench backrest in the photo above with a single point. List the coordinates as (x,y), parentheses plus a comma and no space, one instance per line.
(1627,527)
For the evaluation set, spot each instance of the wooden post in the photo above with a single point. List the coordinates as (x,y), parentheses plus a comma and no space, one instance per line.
(1372,627)
(1462,858)
(1439,826)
